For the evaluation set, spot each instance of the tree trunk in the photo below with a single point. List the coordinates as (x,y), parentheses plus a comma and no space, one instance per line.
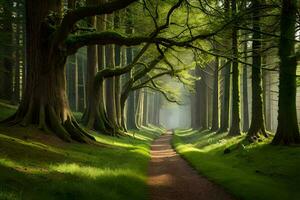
(198,100)
(45,101)
(226,83)
(287,131)
(225,98)
(137,107)
(95,116)
(117,78)
(257,126)
(235,120)
(203,105)
(145,108)
(215,117)
(245,93)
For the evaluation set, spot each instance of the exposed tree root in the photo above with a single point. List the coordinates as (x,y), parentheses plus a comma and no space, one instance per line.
(257,134)
(95,119)
(59,122)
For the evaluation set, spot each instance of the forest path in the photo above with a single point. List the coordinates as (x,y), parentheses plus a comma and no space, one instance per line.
(171,178)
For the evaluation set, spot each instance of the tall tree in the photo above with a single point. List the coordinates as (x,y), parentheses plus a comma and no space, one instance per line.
(215,115)
(225,98)
(287,131)
(235,119)
(245,90)
(48,40)
(203,100)
(145,107)
(257,126)
(110,82)
(117,18)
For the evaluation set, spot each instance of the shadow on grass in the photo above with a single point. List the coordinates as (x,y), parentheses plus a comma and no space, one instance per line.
(34,170)
(249,171)
(67,184)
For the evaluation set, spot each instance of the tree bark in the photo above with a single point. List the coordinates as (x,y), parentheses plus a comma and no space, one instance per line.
(257,126)
(245,93)
(145,108)
(203,101)
(215,117)
(287,131)
(45,101)
(117,78)
(235,120)
(95,116)
(225,98)
(198,99)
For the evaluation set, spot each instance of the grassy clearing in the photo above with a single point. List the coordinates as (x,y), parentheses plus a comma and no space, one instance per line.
(257,171)
(34,165)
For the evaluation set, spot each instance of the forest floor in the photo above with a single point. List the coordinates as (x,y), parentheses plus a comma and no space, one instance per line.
(257,171)
(171,178)
(34,165)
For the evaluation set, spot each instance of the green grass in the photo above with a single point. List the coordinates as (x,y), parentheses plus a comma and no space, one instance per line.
(257,171)
(34,165)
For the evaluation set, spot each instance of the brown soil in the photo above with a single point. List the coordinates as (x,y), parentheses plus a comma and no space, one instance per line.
(171,178)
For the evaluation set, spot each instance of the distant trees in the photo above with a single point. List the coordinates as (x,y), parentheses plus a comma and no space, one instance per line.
(12,70)
(255,32)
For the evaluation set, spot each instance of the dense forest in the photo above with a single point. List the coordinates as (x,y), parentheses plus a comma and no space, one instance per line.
(86,86)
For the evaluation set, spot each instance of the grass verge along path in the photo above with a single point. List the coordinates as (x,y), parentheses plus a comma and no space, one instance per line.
(257,171)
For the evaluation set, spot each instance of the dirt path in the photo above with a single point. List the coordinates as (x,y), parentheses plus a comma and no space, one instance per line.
(171,178)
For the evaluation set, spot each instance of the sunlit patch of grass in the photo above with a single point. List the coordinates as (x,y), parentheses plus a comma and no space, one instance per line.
(116,169)
(250,171)
(93,172)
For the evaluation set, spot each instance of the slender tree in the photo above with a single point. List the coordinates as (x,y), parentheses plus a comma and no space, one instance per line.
(245,91)
(235,119)
(215,116)
(257,126)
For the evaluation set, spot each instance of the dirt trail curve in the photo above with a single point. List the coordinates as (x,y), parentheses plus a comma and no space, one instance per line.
(171,178)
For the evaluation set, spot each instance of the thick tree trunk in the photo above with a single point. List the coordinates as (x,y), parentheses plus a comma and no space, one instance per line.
(215,116)
(235,119)
(95,116)
(257,126)
(45,101)
(287,131)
